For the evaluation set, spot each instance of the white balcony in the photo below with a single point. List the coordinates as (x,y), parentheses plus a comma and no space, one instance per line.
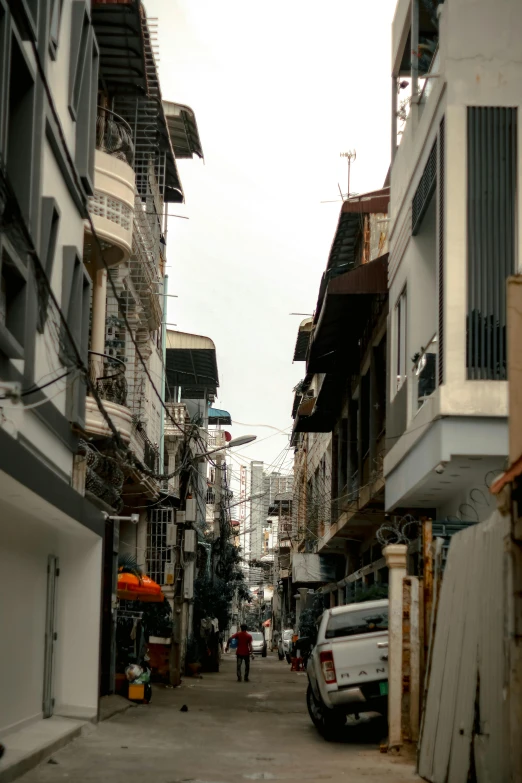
(112,206)
(96,426)
(176,420)
(108,376)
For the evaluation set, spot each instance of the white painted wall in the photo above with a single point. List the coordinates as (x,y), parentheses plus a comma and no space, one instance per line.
(23,585)
(78,604)
(58,75)
(26,543)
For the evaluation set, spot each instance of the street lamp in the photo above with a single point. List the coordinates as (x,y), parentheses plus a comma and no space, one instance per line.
(241,441)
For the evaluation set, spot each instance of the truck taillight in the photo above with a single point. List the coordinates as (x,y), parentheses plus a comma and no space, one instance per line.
(328,666)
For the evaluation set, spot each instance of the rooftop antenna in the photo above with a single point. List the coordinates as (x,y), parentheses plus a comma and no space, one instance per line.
(350,155)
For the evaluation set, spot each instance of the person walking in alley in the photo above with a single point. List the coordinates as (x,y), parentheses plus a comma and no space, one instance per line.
(243,651)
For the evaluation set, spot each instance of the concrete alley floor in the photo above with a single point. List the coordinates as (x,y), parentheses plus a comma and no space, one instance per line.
(232,732)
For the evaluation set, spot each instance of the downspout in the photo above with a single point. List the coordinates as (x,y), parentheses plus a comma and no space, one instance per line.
(163,371)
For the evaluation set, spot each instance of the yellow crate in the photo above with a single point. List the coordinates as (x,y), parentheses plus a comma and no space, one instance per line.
(136,692)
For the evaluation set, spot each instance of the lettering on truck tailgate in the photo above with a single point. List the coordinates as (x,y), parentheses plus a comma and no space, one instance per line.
(358,658)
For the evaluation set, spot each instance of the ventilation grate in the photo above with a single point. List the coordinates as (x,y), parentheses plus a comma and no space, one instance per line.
(492,176)
(424,191)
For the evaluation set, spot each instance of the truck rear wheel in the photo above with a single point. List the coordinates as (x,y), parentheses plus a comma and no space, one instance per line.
(329,724)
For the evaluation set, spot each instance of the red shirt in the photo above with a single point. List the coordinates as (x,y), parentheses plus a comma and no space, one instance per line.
(244,640)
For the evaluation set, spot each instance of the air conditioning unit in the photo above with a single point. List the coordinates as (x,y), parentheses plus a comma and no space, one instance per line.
(172,534)
(189,542)
(168,574)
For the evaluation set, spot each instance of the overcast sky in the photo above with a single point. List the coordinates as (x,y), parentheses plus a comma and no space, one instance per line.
(279,89)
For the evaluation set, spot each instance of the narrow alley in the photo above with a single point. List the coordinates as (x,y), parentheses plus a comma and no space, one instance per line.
(232,732)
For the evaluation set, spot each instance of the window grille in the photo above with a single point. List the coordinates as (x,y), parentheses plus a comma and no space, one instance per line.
(492,177)
(158,553)
(424,191)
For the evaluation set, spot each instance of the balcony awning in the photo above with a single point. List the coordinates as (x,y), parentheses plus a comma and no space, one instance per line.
(192,365)
(343,315)
(139,588)
(183,130)
(118,28)
(343,255)
(319,414)
(216,416)
(303,338)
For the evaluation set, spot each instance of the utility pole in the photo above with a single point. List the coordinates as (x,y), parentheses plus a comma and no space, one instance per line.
(350,155)
(218,495)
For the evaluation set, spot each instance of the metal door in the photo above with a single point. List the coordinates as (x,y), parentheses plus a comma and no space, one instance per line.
(53,572)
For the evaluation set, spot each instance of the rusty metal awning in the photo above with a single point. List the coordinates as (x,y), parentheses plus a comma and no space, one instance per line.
(320,414)
(344,313)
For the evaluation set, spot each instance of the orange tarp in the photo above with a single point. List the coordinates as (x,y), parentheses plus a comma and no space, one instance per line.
(139,588)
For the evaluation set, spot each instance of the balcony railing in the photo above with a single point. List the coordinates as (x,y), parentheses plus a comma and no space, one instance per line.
(114,135)
(175,420)
(107,374)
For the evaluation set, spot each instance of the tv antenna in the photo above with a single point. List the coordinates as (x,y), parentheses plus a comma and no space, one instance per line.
(350,155)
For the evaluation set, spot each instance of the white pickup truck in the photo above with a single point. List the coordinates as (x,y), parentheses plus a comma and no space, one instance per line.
(348,667)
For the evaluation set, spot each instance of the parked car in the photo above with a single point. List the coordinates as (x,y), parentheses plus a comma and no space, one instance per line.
(287,642)
(348,667)
(259,646)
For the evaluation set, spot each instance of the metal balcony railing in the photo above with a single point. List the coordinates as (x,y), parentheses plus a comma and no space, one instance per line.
(107,374)
(114,135)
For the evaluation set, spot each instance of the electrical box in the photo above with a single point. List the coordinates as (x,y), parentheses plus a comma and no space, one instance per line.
(180,517)
(190,510)
(188,581)
(168,574)
(189,542)
(172,534)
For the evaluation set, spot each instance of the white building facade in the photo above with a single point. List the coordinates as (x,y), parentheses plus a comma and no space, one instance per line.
(52,536)
(454,240)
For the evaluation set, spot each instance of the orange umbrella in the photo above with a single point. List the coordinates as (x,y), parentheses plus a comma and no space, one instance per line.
(139,588)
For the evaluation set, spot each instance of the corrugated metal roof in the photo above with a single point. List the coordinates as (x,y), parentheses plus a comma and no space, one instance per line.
(117,24)
(183,130)
(191,364)
(303,338)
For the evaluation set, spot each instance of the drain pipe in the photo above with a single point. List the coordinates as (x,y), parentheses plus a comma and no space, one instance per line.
(163,367)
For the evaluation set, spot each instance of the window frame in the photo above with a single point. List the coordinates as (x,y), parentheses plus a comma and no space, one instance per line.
(12,340)
(400,339)
(55,18)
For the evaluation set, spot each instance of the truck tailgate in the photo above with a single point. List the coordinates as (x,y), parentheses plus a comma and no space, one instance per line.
(360,659)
